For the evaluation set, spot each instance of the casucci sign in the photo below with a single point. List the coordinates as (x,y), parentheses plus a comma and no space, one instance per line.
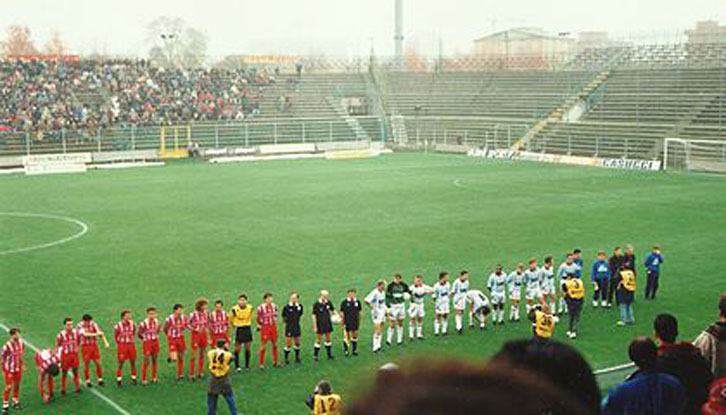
(630,164)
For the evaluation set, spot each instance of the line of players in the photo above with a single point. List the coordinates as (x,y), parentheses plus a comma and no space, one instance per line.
(386,301)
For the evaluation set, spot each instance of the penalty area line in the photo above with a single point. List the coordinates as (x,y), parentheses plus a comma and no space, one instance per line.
(98,394)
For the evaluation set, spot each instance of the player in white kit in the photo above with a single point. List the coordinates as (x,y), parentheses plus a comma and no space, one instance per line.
(459,289)
(567,267)
(497,285)
(416,311)
(548,283)
(376,300)
(442,293)
(479,307)
(514,285)
(532,281)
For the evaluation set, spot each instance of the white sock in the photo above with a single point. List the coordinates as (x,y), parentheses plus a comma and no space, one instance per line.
(390,334)
(376,341)
(457,321)
(436,326)
(411,330)
(445,326)
(512,311)
(501,315)
(399,334)
(471,318)
(552,306)
(419,330)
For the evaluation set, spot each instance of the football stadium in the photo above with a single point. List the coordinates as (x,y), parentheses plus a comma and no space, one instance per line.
(403,229)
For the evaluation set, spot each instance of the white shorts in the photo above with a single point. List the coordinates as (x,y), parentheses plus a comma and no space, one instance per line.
(378,317)
(416,310)
(498,298)
(533,294)
(442,307)
(515,295)
(397,312)
(548,290)
(460,302)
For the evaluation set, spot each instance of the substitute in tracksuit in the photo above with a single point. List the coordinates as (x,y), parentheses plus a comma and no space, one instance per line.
(600,280)
(652,264)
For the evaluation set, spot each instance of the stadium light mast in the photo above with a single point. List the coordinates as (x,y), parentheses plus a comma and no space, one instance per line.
(398,35)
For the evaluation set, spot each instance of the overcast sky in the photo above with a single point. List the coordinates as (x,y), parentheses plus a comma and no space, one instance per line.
(342,27)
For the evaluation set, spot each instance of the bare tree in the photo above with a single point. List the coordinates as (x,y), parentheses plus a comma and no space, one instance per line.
(174,44)
(56,45)
(19,41)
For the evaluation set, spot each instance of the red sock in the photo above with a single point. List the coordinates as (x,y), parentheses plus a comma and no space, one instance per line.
(191,365)
(118,374)
(144,366)
(51,386)
(262,356)
(63,383)
(133,371)
(179,366)
(77,380)
(200,367)
(153,369)
(16,392)
(6,396)
(99,371)
(86,372)
(274,355)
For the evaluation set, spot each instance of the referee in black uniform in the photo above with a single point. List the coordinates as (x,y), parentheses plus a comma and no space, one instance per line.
(350,308)
(291,314)
(323,325)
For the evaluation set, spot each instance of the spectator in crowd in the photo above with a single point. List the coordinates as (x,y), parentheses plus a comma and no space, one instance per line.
(645,392)
(716,404)
(559,364)
(712,341)
(462,388)
(683,361)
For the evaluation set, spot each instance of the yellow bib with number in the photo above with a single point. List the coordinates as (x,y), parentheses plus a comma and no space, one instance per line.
(575,288)
(628,279)
(219,362)
(328,405)
(544,324)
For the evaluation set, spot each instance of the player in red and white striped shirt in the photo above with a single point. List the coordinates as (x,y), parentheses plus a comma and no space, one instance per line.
(219,323)
(267,322)
(149,335)
(68,342)
(47,362)
(13,365)
(124,332)
(199,326)
(174,328)
(89,332)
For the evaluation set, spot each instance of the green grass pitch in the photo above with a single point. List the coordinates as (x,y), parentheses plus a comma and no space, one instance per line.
(170,234)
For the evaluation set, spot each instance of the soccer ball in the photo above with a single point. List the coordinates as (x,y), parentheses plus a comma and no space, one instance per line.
(406,296)
(335,319)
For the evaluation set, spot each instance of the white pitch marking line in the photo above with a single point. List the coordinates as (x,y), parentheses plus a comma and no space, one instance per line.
(100,395)
(614,368)
(458,184)
(82,225)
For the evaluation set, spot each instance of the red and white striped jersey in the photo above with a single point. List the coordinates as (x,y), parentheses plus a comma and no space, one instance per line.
(267,314)
(12,355)
(175,326)
(199,321)
(45,358)
(124,332)
(88,327)
(219,322)
(67,341)
(149,330)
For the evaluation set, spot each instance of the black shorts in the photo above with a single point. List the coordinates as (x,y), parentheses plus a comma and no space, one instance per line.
(325,326)
(292,331)
(352,325)
(243,334)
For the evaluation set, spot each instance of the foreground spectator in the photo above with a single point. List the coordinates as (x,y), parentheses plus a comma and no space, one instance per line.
(462,388)
(716,404)
(323,401)
(712,342)
(559,364)
(684,361)
(646,392)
